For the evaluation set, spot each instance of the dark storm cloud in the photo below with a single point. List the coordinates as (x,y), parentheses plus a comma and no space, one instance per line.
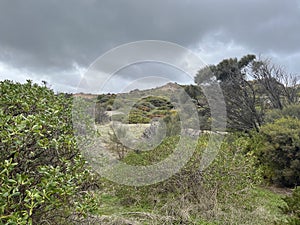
(48,37)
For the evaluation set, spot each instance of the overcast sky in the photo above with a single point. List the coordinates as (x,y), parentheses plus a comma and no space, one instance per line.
(58,40)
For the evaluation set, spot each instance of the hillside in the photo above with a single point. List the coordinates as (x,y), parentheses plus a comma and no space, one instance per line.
(57,166)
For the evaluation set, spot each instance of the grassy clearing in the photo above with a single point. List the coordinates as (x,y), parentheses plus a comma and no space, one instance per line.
(261,207)
(268,203)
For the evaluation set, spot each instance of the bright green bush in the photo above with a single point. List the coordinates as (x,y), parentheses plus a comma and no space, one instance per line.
(137,116)
(43,178)
(280,151)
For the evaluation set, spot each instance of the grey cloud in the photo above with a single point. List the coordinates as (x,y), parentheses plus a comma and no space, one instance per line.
(50,36)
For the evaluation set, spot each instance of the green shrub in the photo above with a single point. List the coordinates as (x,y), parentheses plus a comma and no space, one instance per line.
(106,98)
(280,151)
(43,177)
(168,106)
(143,106)
(217,194)
(157,101)
(289,111)
(103,98)
(293,207)
(137,116)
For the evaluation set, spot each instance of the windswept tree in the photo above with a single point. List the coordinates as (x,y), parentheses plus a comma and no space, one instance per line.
(278,85)
(239,93)
(249,86)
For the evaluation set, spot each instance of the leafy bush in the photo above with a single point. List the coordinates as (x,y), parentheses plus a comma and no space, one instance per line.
(293,207)
(105,98)
(143,106)
(157,101)
(43,177)
(289,111)
(280,152)
(108,102)
(137,116)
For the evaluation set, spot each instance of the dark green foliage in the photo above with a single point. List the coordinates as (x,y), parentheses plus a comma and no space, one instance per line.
(153,102)
(149,107)
(143,106)
(292,207)
(292,111)
(280,153)
(107,101)
(104,98)
(157,101)
(239,93)
(42,174)
(194,91)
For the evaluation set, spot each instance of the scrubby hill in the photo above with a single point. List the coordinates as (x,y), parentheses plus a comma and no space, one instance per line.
(45,180)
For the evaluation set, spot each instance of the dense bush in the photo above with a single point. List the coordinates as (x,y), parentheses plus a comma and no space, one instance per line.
(157,101)
(289,111)
(143,105)
(105,98)
(218,194)
(137,116)
(292,207)
(108,101)
(42,174)
(280,151)
(148,108)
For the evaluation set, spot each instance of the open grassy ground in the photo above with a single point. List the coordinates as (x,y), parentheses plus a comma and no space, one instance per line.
(262,208)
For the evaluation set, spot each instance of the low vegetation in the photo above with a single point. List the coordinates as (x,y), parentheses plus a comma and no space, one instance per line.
(43,177)
(254,178)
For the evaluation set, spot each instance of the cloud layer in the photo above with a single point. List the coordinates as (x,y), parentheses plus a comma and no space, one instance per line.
(58,40)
